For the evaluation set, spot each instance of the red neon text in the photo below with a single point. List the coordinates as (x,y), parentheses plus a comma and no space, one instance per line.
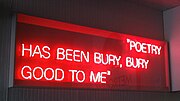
(43,52)
(72,55)
(58,74)
(99,77)
(136,62)
(144,47)
(106,59)
(75,75)
(39,73)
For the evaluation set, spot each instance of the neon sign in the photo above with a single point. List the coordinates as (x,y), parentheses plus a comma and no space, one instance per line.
(57,54)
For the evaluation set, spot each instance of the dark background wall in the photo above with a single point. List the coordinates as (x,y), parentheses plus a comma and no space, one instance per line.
(114,15)
(5,37)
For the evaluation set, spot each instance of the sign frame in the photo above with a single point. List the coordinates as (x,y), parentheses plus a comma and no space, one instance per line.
(69,27)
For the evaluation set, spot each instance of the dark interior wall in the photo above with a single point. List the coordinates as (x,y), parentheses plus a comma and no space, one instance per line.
(5,37)
(114,15)
(53,94)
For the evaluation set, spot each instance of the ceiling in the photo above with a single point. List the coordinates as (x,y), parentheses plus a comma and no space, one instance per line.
(159,4)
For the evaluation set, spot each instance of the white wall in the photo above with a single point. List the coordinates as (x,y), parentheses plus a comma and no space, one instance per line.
(172,35)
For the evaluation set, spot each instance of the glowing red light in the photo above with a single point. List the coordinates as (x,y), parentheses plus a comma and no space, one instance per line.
(52,53)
